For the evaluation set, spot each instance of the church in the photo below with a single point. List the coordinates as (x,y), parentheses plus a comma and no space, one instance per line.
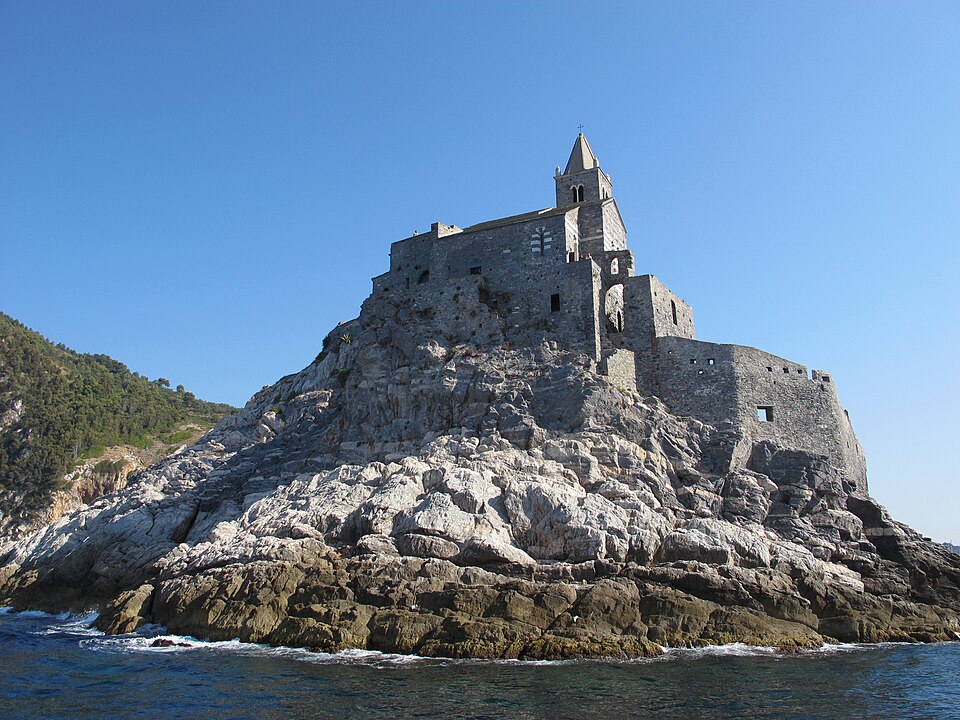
(566,274)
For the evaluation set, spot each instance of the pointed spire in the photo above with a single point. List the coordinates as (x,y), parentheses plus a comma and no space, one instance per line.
(581,157)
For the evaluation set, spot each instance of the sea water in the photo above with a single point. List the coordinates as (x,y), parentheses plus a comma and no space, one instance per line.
(56,666)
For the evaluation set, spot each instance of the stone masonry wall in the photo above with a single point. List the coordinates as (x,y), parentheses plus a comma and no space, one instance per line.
(596,186)
(649,316)
(614,233)
(522,269)
(738,384)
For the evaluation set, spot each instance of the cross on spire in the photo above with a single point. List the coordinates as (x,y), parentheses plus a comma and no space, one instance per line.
(580,127)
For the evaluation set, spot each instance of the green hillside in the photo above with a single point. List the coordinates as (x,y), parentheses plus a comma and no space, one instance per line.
(58,407)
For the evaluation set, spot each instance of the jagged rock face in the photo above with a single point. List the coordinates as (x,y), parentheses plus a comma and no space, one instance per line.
(422,489)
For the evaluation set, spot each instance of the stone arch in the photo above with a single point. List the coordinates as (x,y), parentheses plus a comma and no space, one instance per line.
(613,308)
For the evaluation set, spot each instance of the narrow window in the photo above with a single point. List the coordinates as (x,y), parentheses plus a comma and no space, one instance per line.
(764,413)
(555,302)
(574,191)
(615,266)
(619,321)
(475,270)
(673,309)
(424,277)
(572,256)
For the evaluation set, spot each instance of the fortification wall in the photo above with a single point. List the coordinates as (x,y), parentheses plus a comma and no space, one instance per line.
(765,396)
(409,258)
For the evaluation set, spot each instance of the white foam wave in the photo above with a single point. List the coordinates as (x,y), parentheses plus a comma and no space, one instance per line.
(729,650)
(74,625)
(147,640)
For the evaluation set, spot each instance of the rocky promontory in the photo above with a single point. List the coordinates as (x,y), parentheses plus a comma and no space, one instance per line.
(434,490)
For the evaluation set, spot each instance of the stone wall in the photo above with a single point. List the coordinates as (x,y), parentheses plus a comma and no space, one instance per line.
(650,309)
(596,186)
(528,271)
(614,233)
(765,396)
(621,369)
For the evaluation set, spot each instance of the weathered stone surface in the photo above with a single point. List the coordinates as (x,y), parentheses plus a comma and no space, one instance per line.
(463,499)
(128,611)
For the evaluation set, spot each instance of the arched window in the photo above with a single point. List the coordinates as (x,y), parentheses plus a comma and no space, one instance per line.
(573,190)
(579,193)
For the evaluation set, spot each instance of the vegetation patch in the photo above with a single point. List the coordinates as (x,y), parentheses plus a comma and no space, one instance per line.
(178,437)
(74,406)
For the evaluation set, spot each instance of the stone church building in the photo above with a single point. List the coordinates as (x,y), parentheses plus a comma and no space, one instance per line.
(566,274)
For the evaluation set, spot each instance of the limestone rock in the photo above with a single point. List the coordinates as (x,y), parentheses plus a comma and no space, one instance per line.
(414,492)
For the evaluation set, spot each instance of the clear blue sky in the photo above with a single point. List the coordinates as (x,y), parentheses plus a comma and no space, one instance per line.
(203,189)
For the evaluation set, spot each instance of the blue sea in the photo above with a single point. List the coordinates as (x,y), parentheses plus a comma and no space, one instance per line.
(56,666)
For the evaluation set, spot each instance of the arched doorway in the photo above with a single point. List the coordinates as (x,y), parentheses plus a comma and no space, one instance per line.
(613,308)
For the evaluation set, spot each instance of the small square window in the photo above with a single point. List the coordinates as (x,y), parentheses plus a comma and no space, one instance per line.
(769,369)
(711,361)
(693,361)
(475,270)
(764,413)
(786,371)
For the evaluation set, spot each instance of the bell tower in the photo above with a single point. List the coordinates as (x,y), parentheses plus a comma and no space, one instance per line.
(582,180)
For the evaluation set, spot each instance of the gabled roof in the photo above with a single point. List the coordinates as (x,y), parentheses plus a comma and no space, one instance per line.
(525,217)
(581,157)
(513,219)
